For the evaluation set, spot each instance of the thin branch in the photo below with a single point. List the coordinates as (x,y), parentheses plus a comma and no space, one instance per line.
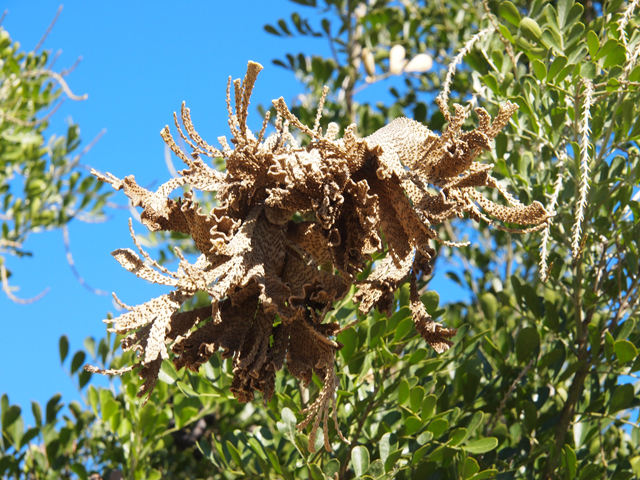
(503,403)
(57,77)
(72,264)
(86,149)
(67,71)
(7,290)
(46,34)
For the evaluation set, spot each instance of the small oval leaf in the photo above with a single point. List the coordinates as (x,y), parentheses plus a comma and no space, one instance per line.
(482,445)
(360,460)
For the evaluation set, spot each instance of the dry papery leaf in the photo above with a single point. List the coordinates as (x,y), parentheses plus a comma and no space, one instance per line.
(270,277)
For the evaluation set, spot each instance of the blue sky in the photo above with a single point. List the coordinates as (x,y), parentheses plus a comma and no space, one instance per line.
(139,63)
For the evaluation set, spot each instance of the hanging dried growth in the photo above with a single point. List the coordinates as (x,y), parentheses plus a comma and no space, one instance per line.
(273,280)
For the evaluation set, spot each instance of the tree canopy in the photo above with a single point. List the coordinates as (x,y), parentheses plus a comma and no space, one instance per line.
(539,381)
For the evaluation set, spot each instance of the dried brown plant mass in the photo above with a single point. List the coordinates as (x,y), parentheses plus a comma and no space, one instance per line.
(272,280)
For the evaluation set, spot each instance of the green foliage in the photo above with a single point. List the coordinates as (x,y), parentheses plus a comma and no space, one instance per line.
(41,183)
(537,384)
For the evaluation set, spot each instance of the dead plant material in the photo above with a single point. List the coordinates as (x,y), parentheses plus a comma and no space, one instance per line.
(272,280)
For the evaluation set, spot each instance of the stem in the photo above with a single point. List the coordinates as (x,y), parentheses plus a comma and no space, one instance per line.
(363,418)
(575,390)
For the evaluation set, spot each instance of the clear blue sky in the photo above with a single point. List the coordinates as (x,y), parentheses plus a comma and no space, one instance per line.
(140,61)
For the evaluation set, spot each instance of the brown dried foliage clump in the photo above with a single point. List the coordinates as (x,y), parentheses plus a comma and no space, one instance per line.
(273,280)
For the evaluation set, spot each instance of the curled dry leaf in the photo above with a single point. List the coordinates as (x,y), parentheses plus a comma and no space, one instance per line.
(273,280)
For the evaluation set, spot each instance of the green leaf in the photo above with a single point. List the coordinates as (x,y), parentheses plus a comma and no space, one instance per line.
(412,425)
(235,455)
(489,306)
(471,467)
(594,339)
(349,340)
(376,469)
(510,13)
(539,69)
(438,426)
(574,15)
(187,414)
(485,474)
(571,463)
(37,412)
(527,342)
(391,460)
(316,471)
(530,29)
(523,104)
(388,444)
(564,6)
(593,43)
(404,328)
(417,356)
(108,405)
(376,330)
(430,299)
(428,407)
(154,474)
(616,56)
(332,467)
(482,445)
(168,373)
(424,437)
(474,423)
(78,360)
(608,345)
(418,454)
(588,70)
(532,300)
(64,348)
(457,436)
(416,396)
(186,389)
(403,391)
(9,416)
(93,399)
(558,64)
(270,29)
(53,407)
(79,470)
(621,398)
(360,460)
(625,351)
(289,421)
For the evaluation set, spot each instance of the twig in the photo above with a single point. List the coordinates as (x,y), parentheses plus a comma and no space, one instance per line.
(503,403)
(505,42)
(86,149)
(67,248)
(67,71)
(46,34)
(7,290)
(57,77)
(4,14)
(363,418)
